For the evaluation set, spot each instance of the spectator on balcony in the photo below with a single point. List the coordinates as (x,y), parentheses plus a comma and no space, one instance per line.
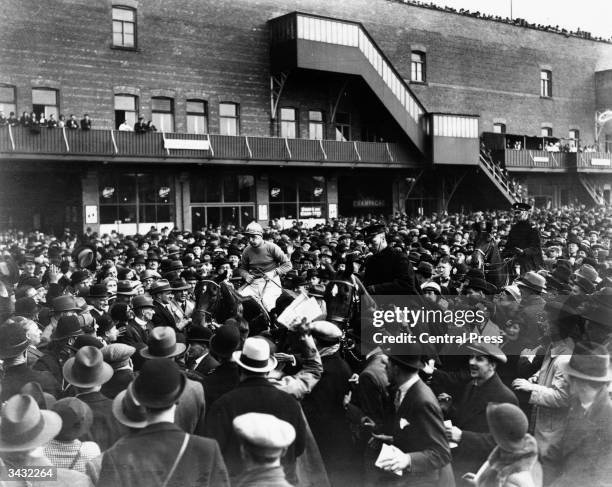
(25,119)
(3,119)
(86,122)
(34,124)
(72,123)
(61,123)
(51,122)
(125,127)
(151,127)
(42,121)
(140,126)
(13,120)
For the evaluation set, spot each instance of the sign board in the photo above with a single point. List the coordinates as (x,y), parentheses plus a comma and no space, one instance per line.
(540,159)
(332,211)
(600,162)
(368,203)
(186,144)
(262,212)
(91,214)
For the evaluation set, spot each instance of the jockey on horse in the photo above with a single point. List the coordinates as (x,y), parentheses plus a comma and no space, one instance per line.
(524,243)
(261,266)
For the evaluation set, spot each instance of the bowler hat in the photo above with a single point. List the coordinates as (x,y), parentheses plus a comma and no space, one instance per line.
(87,341)
(590,361)
(24,427)
(67,326)
(508,425)
(534,281)
(77,418)
(201,334)
(127,410)
(481,285)
(120,312)
(87,368)
(180,285)
(159,286)
(375,229)
(13,340)
(142,301)
(63,303)
(425,268)
(159,384)
(79,276)
(559,278)
(225,340)
(98,291)
(162,344)
(126,288)
(25,306)
(255,356)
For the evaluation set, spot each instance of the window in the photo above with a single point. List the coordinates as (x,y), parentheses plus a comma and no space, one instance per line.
(343,127)
(315,124)
(229,121)
(417,67)
(136,198)
(125,110)
(163,114)
(297,197)
(8,102)
(499,128)
(197,117)
(574,134)
(44,100)
(124,27)
(288,123)
(546,83)
(546,132)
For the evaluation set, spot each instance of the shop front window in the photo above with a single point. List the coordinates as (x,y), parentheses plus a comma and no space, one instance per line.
(297,198)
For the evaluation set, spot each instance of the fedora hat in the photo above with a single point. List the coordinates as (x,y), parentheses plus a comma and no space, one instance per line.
(600,314)
(587,286)
(127,410)
(24,427)
(159,384)
(98,291)
(180,285)
(67,326)
(481,285)
(225,340)
(160,286)
(534,281)
(589,273)
(508,425)
(13,340)
(42,398)
(77,418)
(488,349)
(66,302)
(255,356)
(79,276)
(406,355)
(126,288)
(162,344)
(87,368)
(590,361)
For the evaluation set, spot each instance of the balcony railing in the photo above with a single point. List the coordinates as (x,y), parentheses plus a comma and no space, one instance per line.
(595,161)
(109,144)
(533,159)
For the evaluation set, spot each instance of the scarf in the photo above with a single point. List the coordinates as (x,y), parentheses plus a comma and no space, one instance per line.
(504,463)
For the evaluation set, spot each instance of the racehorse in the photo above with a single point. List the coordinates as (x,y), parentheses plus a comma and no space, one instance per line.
(218,301)
(486,256)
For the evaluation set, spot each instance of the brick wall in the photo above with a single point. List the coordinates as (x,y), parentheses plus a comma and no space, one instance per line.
(218,51)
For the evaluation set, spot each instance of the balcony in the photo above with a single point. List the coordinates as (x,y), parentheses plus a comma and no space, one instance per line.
(19,143)
(307,41)
(594,162)
(536,160)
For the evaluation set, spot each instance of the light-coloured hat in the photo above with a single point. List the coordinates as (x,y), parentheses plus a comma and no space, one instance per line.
(488,349)
(264,434)
(253,228)
(431,285)
(325,331)
(534,281)
(117,354)
(514,291)
(255,355)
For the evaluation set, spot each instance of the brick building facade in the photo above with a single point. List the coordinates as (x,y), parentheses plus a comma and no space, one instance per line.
(217,55)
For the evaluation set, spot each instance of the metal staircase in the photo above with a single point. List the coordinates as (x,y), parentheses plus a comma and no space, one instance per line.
(496,176)
(594,189)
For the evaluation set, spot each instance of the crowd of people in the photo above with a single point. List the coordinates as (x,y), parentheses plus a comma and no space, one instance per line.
(507,20)
(131,360)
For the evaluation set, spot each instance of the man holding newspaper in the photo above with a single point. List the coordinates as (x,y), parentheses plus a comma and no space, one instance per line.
(261,266)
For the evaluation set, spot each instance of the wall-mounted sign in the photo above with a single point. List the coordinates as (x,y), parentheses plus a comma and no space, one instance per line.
(318,191)
(274,192)
(108,192)
(91,214)
(310,212)
(164,191)
(540,159)
(262,212)
(368,203)
(600,162)
(186,144)
(332,211)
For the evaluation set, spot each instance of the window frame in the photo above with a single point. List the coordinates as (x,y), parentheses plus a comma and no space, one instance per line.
(236,118)
(549,131)
(134,23)
(415,64)
(203,115)
(171,112)
(136,111)
(546,83)
(57,104)
(282,123)
(316,123)
(502,128)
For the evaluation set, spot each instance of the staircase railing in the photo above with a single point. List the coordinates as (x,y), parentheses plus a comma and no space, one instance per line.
(496,174)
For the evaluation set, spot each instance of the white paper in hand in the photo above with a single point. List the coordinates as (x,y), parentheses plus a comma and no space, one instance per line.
(387,452)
